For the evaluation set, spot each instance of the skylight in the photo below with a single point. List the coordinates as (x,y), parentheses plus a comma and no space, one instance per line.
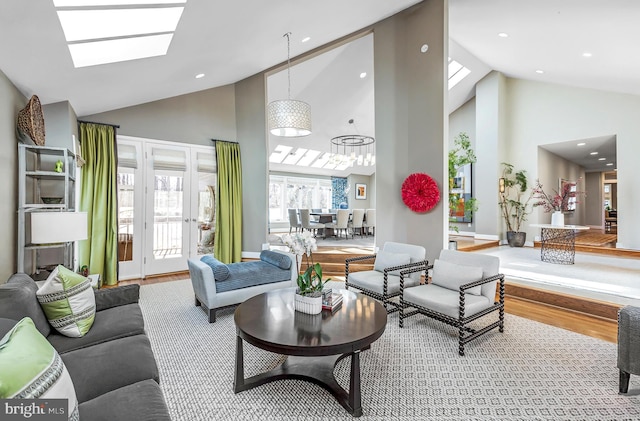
(108,31)
(123,49)
(457,72)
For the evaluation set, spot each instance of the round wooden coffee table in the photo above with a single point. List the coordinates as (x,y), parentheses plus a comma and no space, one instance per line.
(313,343)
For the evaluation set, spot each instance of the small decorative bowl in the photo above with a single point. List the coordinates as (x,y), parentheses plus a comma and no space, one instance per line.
(51,200)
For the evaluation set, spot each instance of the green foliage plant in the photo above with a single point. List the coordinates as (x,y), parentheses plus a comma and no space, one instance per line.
(460,155)
(310,282)
(514,201)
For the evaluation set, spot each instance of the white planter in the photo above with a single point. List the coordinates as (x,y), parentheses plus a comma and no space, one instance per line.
(308,305)
(557,219)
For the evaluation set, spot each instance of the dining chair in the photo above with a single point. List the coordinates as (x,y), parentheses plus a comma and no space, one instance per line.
(307,224)
(341,224)
(357,218)
(370,221)
(294,223)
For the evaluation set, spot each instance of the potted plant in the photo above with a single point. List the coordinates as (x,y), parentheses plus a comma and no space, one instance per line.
(513,206)
(308,298)
(461,155)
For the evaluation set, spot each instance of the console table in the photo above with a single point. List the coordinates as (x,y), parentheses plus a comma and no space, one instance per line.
(559,243)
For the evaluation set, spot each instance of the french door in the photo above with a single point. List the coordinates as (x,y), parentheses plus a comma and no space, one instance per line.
(167,203)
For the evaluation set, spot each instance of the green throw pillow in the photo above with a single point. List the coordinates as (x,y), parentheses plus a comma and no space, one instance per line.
(68,301)
(30,368)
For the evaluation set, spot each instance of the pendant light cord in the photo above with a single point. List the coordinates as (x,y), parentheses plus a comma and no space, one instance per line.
(288,35)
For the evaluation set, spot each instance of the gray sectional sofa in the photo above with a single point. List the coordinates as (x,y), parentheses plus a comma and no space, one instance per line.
(112,367)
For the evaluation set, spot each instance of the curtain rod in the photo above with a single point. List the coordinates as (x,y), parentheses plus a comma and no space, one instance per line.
(104,124)
(228,141)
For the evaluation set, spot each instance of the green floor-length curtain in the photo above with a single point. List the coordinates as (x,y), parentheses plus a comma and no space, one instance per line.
(228,243)
(98,197)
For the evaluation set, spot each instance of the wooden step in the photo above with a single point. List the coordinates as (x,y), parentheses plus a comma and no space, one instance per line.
(332,260)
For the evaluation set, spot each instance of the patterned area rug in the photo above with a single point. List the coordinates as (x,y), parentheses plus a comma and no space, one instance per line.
(530,372)
(595,239)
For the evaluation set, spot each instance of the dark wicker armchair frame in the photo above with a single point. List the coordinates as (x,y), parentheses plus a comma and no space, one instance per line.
(465,333)
(385,297)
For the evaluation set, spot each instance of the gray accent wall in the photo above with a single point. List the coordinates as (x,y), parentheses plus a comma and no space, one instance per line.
(61,124)
(252,136)
(551,168)
(411,129)
(11,102)
(594,201)
(194,118)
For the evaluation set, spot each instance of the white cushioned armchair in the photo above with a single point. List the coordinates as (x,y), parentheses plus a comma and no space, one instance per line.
(217,285)
(383,282)
(462,290)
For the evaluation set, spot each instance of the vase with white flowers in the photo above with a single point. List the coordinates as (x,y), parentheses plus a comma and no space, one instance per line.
(308,297)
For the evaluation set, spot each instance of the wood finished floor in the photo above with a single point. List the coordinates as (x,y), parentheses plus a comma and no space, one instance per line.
(576,321)
(565,312)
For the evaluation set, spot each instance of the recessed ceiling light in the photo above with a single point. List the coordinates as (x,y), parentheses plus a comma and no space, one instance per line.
(305,39)
(199,75)
(581,144)
(586,54)
(602,159)
(609,164)
(424,48)
(363,75)
(540,72)
(594,153)
(503,35)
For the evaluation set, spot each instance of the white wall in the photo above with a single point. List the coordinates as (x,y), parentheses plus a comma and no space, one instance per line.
(542,113)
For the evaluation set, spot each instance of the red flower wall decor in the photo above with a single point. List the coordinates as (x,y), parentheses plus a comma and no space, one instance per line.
(420,192)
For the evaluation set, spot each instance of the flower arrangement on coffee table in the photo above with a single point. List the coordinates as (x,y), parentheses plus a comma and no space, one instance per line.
(310,283)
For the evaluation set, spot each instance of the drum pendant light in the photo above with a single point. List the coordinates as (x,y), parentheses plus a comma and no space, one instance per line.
(289,117)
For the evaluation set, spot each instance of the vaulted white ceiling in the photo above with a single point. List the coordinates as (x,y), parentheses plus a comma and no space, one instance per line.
(229,41)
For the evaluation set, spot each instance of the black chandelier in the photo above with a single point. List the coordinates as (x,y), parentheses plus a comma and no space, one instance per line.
(353,148)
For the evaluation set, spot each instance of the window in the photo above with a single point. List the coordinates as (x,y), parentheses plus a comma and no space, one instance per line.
(296,192)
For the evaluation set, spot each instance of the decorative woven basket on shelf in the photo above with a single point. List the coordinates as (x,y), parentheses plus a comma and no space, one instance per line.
(31,121)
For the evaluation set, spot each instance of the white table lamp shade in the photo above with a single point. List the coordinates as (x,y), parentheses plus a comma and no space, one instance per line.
(58,227)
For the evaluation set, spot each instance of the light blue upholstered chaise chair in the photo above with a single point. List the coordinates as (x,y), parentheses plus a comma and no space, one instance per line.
(461,291)
(218,285)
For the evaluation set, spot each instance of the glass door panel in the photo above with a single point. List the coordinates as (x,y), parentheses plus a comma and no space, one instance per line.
(168,219)
(130,209)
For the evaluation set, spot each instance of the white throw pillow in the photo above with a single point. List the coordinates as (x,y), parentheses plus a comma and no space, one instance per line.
(386,259)
(453,275)
(68,301)
(30,368)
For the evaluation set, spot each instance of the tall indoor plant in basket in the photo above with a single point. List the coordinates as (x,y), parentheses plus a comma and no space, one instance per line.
(514,203)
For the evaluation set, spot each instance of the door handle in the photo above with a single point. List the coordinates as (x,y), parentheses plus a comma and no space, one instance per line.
(194,220)
(186,219)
